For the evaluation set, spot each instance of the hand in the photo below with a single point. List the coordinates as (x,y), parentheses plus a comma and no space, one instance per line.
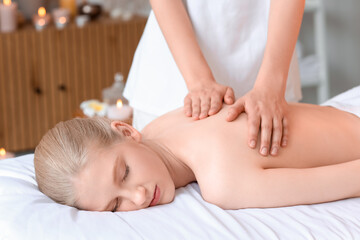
(205,100)
(266,110)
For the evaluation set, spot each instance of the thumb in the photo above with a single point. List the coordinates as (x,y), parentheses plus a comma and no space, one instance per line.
(229,97)
(235,110)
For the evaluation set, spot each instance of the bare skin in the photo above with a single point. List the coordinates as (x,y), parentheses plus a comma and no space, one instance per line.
(321,163)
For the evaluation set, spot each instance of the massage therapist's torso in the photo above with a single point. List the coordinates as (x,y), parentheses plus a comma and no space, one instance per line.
(217,150)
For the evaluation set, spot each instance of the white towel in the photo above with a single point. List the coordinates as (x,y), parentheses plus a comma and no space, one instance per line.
(348,101)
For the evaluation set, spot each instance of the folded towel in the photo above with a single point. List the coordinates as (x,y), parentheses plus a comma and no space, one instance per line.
(347,101)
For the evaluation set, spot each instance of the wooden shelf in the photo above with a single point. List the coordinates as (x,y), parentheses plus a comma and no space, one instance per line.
(44,76)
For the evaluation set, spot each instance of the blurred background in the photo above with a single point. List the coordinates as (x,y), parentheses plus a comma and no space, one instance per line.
(49,68)
(341,44)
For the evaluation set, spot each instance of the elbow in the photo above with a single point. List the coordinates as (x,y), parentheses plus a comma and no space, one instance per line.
(227,200)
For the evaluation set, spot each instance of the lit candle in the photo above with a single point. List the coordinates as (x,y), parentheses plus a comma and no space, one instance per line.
(5,155)
(70,5)
(61,17)
(41,20)
(119,111)
(8,16)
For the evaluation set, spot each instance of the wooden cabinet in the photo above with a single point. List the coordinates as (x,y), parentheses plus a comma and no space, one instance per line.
(44,76)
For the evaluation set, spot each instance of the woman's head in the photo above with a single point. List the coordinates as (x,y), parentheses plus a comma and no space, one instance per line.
(97,164)
(64,150)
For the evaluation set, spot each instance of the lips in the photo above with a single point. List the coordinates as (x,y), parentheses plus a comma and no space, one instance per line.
(156,197)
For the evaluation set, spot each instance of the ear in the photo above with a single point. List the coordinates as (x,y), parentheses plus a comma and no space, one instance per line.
(126,130)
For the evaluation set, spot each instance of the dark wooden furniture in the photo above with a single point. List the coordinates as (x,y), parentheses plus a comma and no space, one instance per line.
(44,76)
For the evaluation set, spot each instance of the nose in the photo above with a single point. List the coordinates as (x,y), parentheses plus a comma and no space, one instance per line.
(139,196)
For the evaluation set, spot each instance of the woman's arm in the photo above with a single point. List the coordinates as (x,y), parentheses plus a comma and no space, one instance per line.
(280,187)
(284,26)
(205,95)
(265,103)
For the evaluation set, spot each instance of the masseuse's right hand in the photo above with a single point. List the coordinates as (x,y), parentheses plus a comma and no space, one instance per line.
(206,99)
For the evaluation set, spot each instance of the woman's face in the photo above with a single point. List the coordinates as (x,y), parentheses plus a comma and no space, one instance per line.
(123,177)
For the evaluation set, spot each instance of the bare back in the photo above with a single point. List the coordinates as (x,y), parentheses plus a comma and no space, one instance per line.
(218,153)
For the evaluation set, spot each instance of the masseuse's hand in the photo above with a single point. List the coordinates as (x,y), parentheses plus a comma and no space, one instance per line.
(266,110)
(204,100)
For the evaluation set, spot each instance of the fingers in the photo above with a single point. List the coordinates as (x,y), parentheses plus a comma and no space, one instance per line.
(235,110)
(216,104)
(253,129)
(229,97)
(285,135)
(205,106)
(266,129)
(187,106)
(200,108)
(195,108)
(277,132)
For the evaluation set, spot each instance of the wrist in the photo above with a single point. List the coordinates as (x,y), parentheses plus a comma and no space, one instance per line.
(197,82)
(275,83)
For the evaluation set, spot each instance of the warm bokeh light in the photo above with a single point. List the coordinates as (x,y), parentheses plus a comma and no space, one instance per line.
(62,20)
(119,103)
(42,12)
(2,152)
(7,2)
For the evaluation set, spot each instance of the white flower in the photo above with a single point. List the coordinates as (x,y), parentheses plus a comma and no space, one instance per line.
(94,107)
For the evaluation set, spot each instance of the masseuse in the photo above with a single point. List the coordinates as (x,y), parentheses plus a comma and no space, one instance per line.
(202,53)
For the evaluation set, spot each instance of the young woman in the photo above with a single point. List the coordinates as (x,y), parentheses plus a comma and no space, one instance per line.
(102,165)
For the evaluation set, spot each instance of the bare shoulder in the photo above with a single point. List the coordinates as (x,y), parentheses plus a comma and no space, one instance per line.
(228,188)
(226,171)
(165,122)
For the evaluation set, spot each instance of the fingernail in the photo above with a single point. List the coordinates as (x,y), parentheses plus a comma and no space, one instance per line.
(264,151)
(252,143)
(284,143)
(274,151)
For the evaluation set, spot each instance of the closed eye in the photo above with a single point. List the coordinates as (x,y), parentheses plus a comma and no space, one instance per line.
(116,205)
(127,170)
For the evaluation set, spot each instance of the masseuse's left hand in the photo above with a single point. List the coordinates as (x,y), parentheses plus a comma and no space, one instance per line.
(266,110)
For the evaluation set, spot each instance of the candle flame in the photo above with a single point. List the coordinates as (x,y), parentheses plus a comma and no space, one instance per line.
(2,152)
(42,12)
(119,103)
(7,2)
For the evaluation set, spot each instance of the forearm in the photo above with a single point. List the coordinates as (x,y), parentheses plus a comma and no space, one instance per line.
(177,29)
(280,187)
(283,29)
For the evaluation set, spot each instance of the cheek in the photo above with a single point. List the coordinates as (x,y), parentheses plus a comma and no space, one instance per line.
(127,206)
(171,195)
(148,159)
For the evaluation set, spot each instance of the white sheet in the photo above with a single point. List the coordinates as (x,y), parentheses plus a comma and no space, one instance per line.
(25,213)
(348,101)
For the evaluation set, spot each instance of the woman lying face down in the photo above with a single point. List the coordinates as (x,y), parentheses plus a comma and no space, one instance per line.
(101,165)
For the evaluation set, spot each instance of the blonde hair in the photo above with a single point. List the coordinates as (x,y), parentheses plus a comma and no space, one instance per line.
(63,152)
